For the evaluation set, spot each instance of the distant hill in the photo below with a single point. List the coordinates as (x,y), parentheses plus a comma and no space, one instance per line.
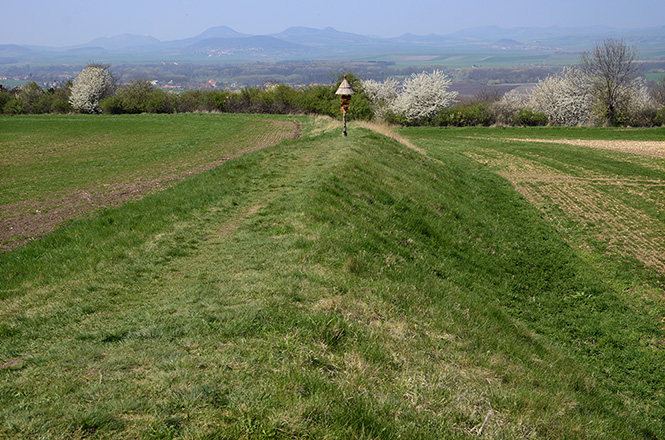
(13,53)
(423,39)
(13,49)
(304,42)
(508,42)
(124,41)
(310,36)
(220,32)
(261,43)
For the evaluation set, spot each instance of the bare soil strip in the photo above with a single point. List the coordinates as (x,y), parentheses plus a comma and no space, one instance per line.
(648,148)
(623,229)
(29,219)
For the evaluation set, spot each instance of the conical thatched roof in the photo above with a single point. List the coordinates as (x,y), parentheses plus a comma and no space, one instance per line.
(345,88)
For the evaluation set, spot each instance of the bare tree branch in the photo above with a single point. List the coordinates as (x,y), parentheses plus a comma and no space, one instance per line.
(611,64)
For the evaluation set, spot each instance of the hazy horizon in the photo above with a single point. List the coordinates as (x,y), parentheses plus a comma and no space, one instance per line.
(73,22)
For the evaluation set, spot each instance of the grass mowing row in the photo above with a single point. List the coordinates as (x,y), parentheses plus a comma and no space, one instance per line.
(325,288)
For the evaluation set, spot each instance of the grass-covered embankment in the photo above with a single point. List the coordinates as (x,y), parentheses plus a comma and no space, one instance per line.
(325,288)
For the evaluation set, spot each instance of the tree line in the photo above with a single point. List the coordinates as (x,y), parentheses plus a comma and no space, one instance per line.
(95,91)
(604,89)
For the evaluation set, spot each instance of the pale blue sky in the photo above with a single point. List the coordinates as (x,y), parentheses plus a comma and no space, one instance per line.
(70,22)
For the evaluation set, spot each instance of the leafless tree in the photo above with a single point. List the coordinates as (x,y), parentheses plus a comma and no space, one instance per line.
(488,95)
(611,66)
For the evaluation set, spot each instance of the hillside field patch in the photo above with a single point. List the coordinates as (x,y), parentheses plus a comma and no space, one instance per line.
(56,169)
(624,214)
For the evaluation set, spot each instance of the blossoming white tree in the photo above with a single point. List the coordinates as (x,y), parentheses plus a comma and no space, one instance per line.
(423,95)
(382,95)
(420,96)
(658,93)
(93,84)
(566,99)
(640,106)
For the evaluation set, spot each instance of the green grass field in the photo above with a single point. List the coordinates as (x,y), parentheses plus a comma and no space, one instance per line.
(329,287)
(55,168)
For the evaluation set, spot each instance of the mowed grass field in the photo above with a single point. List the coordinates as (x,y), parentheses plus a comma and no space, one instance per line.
(462,283)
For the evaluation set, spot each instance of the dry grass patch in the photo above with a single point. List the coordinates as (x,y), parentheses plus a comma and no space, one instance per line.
(324,124)
(388,131)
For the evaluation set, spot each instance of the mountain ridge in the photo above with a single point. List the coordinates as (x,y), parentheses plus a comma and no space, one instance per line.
(482,32)
(308,42)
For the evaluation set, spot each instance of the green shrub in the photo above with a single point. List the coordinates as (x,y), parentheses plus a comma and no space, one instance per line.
(112,105)
(135,96)
(393,118)
(190,101)
(139,97)
(645,117)
(142,97)
(530,118)
(5,97)
(161,102)
(320,100)
(216,100)
(245,101)
(60,99)
(280,99)
(32,99)
(465,116)
(660,117)
(13,107)
(361,108)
